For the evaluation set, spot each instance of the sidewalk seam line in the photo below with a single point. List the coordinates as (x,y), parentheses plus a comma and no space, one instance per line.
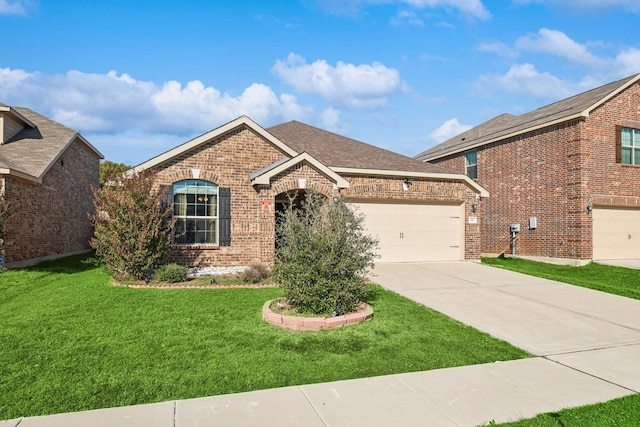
(424,398)
(592,375)
(313,406)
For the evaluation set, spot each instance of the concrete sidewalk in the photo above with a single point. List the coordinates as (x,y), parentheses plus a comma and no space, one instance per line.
(587,342)
(465,396)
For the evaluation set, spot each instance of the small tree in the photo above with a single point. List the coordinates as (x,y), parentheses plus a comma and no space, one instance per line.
(111,171)
(323,255)
(132,226)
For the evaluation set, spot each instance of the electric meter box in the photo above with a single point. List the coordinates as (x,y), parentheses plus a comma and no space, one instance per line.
(515,228)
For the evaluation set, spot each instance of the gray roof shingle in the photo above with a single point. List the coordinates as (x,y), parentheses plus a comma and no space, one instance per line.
(32,150)
(337,151)
(507,125)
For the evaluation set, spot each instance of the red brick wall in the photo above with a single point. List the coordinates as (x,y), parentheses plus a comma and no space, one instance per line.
(612,183)
(552,174)
(51,218)
(230,159)
(526,177)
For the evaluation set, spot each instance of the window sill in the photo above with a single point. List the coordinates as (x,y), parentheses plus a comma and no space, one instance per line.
(195,247)
(628,165)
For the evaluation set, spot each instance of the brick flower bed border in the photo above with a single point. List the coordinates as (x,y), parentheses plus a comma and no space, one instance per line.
(297,323)
(181,286)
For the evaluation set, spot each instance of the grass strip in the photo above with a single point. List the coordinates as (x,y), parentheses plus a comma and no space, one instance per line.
(614,280)
(622,412)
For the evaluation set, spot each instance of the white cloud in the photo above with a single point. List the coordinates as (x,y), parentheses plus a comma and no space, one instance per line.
(470,8)
(582,5)
(627,62)
(363,86)
(330,118)
(498,48)
(113,103)
(14,7)
(448,130)
(559,44)
(525,79)
(407,17)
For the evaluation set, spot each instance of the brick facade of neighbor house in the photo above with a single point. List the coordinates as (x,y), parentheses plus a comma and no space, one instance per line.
(551,171)
(231,158)
(47,175)
(52,218)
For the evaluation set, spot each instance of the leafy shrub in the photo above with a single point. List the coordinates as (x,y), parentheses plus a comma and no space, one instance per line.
(322,255)
(171,273)
(255,273)
(132,228)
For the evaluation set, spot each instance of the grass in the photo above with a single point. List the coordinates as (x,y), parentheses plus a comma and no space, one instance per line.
(622,412)
(71,341)
(614,280)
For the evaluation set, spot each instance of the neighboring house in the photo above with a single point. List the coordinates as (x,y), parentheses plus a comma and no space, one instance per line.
(47,172)
(567,173)
(227,185)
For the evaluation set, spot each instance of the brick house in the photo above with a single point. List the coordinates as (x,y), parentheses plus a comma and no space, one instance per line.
(227,185)
(47,172)
(567,173)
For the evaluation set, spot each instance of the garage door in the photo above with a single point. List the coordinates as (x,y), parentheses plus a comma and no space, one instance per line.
(616,233)
(415,232)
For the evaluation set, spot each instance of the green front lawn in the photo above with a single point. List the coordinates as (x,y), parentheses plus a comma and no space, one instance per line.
(614,280)
(623,412)
(71,341)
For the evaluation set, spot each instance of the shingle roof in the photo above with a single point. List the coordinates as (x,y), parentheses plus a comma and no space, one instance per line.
(33,150)
(337,151)
(507,125)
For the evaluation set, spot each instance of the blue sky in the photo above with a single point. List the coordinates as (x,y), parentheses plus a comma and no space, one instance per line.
(137,78)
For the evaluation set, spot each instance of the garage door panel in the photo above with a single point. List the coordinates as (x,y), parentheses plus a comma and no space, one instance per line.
(415,232)
(616,233)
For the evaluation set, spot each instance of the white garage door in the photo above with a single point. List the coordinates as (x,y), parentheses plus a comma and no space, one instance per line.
(415,232)
(616,233)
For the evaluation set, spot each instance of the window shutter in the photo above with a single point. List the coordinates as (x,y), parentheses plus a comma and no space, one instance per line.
(167,198)
(224,216)
(618,144)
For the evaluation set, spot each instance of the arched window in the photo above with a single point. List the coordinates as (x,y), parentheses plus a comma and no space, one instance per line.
(195,209)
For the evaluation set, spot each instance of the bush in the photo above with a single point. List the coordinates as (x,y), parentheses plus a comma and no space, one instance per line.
(132,226)
(323,255)
(171,273)
(255,273)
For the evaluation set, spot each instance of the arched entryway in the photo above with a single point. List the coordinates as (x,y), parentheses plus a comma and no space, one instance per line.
(294,197)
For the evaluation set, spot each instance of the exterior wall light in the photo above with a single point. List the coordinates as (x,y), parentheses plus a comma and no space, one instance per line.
(474,207)
(590,208)
(406,184)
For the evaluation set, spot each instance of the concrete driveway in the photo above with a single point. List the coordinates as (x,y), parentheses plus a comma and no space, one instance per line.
(541,316)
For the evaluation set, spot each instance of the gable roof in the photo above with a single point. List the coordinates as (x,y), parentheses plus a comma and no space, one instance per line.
(31,152)
(507,125)
(328,152)
(212,134)
(341,153)
(264,176)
